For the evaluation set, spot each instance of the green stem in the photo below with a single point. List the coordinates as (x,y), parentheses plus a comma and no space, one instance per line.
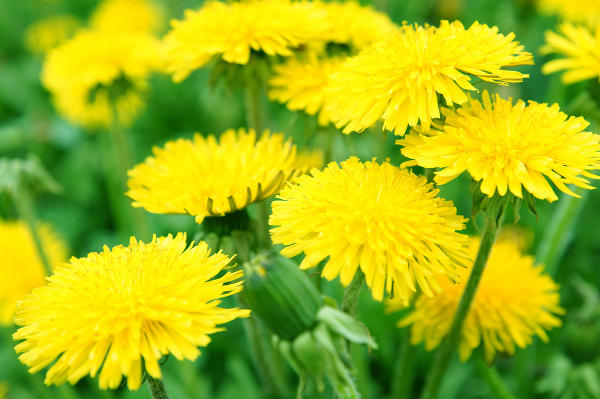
(350,300)
(559,232)
(403,372)
(493,379)
(157,388)
(26,211)
(451,341)
(255,110)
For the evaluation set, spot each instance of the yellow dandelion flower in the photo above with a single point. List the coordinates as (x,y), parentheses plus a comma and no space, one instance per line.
(578,11)
(209,177)
(21,269)
(381,218)
(508,147)
(97,74)
(44,35)
(233,30)
(580,49)
(356,25)
(300,84)
(514,302)
(308,159)
(399,79)
(128,16)
(111,309)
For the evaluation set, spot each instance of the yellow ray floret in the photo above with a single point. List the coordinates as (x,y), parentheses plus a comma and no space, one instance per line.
(21,268)
(300,84)
(128,16)
(578,11)
(399,79)
(508,147)
(514,302)
(106,312)
(580,50)
(210,177)
(233,30)
(381,218)
(99,73)
(44,35)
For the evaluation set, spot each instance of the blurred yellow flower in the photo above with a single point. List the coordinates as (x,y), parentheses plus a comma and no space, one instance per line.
(578,11)
(308,159)
(207,176)
(580,50)
(399,79)
(44,35)
(381,218)
(233,30)
(98,74)
(21,269)
(111,309)
(144,16)
(514,302)
(300,84)
(508,147)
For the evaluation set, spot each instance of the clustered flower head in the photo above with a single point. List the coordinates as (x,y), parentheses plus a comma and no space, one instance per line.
(577,11)
(44,35)
(207,176)
(106,312)
(144,16)
(232,31)
(98,77)
(508,147)
(21,269)
(377,217)
(580,49)
(514,302)
(399,79)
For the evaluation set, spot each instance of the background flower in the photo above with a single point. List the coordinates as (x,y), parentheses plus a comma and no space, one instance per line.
(42,36)
(145,16)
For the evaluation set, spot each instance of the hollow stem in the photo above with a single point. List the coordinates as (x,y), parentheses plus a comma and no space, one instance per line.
(493,379)
(157,388)
(403,372)
(350,300)
(451,341)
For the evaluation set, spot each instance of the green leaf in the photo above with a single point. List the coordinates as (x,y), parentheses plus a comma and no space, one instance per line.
(346,326)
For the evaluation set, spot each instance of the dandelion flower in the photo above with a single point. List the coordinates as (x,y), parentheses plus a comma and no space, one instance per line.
(108,311)
(381,218)
(233,30)
(399,79)
(97,74)
(300,84)
(514,302)
(210,177)
(128,16)
(507,147)
(308,159)
(578,11)
(44,35)
(580,49)
(21,269)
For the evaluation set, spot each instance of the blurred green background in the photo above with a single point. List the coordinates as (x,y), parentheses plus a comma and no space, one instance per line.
(567,367)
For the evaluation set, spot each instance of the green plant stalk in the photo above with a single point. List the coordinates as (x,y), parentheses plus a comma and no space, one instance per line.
(350,299)
(493,379)
(403,370)
(26,210)
(450,343)
(559,232)
(157,388)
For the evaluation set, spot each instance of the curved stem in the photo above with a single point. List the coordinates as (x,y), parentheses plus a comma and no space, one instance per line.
(350,300)
(450,343)
(493,379)
(157,388)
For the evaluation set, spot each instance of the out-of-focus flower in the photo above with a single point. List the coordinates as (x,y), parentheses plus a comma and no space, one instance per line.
(144,16)
(578,11)
(112,309)
(44,35)
(308,159)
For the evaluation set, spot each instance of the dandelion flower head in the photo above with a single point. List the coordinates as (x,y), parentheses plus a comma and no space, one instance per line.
(377,217)
(232,31)
(509,146)
(128,16)
(98,74)
(577,11)
(44,35)
(207,176)
(580,50)
(308,159)
(514,302)
(399,79)
(21,269)
(108,311)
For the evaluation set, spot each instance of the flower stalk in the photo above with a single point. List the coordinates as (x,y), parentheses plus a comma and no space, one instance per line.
(350,300)
(403,371)
(157,388)
(493,379)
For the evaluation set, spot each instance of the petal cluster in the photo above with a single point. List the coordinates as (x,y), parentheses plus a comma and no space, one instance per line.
(106,312)
(99,74)
(399,79)
(128,16)
(21,269)
(233,30)
(580,52)
(381,218)
(514,302)
(509,146)
(207,176)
